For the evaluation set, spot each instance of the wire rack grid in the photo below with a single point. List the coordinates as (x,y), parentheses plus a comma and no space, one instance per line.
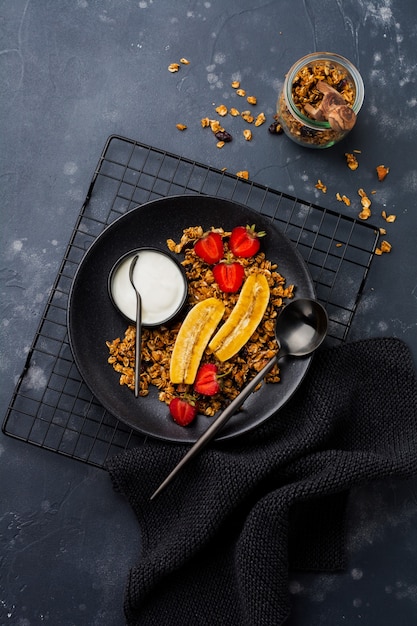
(61,414)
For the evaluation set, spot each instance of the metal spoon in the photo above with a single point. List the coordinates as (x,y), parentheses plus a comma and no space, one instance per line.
(138,343)
(300,329)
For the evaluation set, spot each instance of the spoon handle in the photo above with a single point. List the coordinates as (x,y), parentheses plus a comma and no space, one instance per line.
(138,342)
(218,423)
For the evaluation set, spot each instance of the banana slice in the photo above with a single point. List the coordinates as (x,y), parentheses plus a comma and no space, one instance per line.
(243,320)
(192,339)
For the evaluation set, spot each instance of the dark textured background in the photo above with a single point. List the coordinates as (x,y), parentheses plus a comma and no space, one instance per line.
(73,73)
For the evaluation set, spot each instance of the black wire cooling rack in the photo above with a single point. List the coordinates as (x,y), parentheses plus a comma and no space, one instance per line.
(61,414)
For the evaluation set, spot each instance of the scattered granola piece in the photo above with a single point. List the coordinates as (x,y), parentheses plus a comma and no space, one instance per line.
(275,128)
(215,126)
(373,192)
(241,92)
(252,99)
(260,119)
(339,197)
(385,247)
(220,144)
(365,214)
(247,116)
(351,160)
(234,112)
(319,185)
(235,84)
(181,126)
(221,110)
(184,61)
(339,245)
(382,172)
(173,67)
(382,231)
(247,134)
(346,200)
(243,174)
(205,122)
(388,218)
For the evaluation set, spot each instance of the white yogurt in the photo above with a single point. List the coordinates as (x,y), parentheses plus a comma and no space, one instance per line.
(158,279)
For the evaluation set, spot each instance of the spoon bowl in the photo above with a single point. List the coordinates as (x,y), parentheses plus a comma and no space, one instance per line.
(300,329)
(138,340)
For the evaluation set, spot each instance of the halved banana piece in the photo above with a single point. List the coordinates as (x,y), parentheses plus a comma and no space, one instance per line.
(192,339)
(244,318)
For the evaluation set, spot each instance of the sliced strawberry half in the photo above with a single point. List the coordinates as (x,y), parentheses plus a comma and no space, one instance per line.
(183,409)
(229,275)
(210,247)
(207,382)
(244,241)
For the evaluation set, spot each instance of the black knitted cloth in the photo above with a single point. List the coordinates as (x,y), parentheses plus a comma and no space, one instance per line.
(219,541)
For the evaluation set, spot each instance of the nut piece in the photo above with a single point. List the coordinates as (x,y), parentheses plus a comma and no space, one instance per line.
(174,67)
(252,99)
(221,110)
(382,172)
(184,61)
(343,198)
(351,160)
(247,134)
(384,247)
(388,218)
(181,126)
(247,116)
(260,119)
(243,174)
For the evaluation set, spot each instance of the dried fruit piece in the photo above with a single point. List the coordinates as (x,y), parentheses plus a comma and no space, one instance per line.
(224,136)
(229,275)
(244,241)
(183,410)
(181,126)
(210,247)
(382,172)
(275,128)
(192,339)
(173,67)
(244,318)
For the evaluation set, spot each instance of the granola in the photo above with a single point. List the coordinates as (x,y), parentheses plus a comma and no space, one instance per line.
(158,343)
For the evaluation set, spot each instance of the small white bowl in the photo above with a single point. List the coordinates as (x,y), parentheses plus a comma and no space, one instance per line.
(160,280)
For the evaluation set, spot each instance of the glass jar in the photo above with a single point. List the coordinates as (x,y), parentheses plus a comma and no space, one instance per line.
(300,89)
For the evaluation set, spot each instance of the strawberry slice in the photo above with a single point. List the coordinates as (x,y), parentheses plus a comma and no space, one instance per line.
(183,410)
(206,382)
(229,275)
(210,247)
(244,241)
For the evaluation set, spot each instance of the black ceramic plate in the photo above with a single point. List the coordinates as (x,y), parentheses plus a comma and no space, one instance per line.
(92,319)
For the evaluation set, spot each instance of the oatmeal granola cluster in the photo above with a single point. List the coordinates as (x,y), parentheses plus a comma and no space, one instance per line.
(305,92)
(158,343)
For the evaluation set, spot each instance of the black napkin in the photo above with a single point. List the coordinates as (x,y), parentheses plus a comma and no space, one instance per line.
(218,543)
